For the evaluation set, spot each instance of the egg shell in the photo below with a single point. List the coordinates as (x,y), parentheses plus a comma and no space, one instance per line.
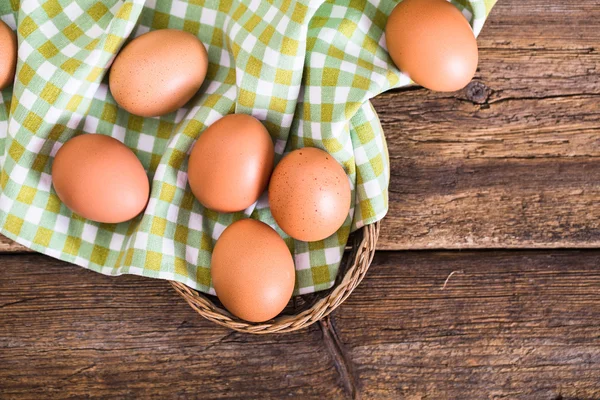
(158,72)
(432,42)
(8,55)
(230,164)
(100,179)
(252,271)
(309,194)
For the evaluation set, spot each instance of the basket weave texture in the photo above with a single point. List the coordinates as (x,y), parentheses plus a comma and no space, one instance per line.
(302,310)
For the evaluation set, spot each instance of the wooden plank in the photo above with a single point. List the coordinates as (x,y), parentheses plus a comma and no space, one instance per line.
(508,325)
(519,324)
(514,160)
(70,333)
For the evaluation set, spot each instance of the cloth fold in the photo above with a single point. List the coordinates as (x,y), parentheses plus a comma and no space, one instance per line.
(305,68)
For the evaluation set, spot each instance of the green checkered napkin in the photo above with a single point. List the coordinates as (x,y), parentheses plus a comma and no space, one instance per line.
(307,69)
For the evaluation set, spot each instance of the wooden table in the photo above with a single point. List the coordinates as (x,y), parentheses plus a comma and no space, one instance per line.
(487,285)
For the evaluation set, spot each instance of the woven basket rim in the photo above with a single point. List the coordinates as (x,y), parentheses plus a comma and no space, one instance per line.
(363,249)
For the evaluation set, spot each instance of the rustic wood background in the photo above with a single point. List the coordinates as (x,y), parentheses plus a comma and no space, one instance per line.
(506,171)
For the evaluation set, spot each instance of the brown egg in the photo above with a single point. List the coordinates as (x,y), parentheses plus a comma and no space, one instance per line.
(252,271)
(230,163)
(8,55)
(158,72)
(309,194)
(100,179)
(432,42)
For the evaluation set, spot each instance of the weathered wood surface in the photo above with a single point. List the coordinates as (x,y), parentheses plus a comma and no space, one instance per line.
(513,160)
(518,325)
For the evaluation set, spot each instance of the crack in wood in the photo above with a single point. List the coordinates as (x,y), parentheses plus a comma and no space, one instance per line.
(341,360)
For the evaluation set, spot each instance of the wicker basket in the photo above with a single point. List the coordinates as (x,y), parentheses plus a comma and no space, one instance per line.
(302,310)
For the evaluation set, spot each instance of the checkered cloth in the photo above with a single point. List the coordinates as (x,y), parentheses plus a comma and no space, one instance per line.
(306,68)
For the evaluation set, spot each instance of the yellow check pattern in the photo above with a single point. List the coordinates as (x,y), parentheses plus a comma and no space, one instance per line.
(306,68)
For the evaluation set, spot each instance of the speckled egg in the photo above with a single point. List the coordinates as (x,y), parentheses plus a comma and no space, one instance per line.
(100,179)
(309,194)
(230,163)
(252,271)
(432,42)
(158,72)
(8,55)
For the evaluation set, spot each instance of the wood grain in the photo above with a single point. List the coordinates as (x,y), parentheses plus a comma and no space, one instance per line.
(70,333)
(512,161)
(520,324)
(508,325)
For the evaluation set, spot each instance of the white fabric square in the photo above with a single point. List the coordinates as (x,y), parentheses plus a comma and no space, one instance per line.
(353,49)
(284,22)
(249,43)
(46,70)
(178,8)
(306,290)
(315,130)
(286,120)
(212,117)
(27,99)
(48,29)
(55,147)
(302,261)
(10,21)
(269,15)
(18,174)
(365,24)
(317,60)
(280,146)
(74,121)
(91,124)
(118,133)
(45,182)
(146,143)
(70,50)
(62,224)
(151,206)
(191,255)
(168,247)
(348,67)
(141,240)
(372,188)
(35,144)
(314,94)
(195,221)
(260,113)
(265,88)
(34,215)
(271,57)
(218,230)
(341,94)
(28,6)
(208,16)
(172,213)
(116,241)
(89,233)
(360,156)
(25,50)
(160,172)
(95,31)
(338,12)
(180,114)
(234,30)
(332,255)
(101,92)
(181,179)
(73,11)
